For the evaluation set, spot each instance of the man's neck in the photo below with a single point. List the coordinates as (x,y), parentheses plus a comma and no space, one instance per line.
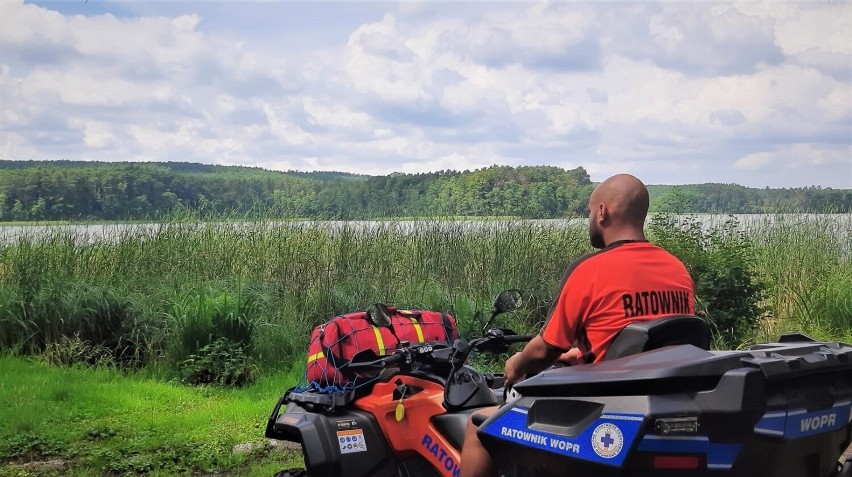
(624,235)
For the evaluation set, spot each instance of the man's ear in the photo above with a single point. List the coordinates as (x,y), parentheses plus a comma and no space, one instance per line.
(603,213)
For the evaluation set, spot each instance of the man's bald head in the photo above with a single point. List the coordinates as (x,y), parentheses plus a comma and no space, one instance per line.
(617,210)
(625,196)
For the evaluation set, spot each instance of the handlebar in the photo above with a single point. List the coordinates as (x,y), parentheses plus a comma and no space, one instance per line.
(391,360)
(495,341)
(518,338)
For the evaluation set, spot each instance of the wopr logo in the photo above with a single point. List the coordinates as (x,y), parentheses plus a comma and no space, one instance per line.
(607,440)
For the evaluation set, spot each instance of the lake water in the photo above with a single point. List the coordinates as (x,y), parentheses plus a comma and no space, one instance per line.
(114,232)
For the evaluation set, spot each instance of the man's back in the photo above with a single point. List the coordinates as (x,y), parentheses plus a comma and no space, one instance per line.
(605,291)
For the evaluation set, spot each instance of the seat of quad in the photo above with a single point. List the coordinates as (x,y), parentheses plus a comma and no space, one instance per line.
(452,425)
(653,334)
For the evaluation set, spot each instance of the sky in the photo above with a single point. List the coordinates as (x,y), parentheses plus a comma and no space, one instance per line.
(752,93)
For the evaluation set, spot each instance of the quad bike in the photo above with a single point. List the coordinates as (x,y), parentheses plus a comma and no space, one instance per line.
(660,405)
(409,422)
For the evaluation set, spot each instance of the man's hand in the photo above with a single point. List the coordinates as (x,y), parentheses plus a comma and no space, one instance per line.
(571,357)
(536,356)
(511,371)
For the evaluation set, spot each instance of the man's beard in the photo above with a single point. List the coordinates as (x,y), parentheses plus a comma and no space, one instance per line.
(596,237)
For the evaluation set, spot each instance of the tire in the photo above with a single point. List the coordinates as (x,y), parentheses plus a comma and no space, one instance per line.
(846,468)
(292,473)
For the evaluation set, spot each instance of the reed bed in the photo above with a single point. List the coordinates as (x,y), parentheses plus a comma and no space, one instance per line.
(157,294)
(161,293)
(806,262)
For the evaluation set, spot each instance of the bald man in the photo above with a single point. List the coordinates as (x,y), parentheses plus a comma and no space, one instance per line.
(627,280)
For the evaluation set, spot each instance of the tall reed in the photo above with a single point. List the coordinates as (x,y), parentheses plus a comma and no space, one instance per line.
(807,262)
(189,282)
(162,292)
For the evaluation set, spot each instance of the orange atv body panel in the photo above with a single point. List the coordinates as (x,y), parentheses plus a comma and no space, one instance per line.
(414,433)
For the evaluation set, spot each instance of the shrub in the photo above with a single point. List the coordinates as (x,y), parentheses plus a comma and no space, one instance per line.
(833,307)
(221,363)
(75,351)
(721,260)
(61,313)
(202,315)
(102,318)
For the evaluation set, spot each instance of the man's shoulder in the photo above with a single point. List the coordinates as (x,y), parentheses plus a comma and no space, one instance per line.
(585,264)
(585,259)
(622,252)
(593,260)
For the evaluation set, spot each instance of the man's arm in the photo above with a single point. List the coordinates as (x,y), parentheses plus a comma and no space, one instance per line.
(536,356)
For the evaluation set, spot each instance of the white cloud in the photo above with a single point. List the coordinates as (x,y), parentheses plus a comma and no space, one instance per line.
(290,133)
(97,135)
(801,27)
(17,146)
(754,161)
(379,64)
(798,156)
(686,92)
(334,115)
(30,25)
(93,87)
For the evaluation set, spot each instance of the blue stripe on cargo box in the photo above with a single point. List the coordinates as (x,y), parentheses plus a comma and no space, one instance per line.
(796,423)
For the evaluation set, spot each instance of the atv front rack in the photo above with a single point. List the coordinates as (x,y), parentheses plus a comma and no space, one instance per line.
(309,400)
(313,399)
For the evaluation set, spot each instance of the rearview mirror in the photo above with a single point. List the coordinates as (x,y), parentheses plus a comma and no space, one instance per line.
(507,300)
(379,315)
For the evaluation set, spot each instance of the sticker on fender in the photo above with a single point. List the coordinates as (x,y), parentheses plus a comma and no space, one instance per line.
(603,441)
(542,440)
(351,441)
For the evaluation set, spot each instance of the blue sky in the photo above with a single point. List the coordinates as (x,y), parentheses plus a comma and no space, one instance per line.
(754,93)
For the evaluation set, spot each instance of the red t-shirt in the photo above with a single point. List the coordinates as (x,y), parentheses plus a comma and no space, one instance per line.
(607,290)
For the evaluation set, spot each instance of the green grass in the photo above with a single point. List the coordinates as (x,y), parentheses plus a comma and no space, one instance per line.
(100,421)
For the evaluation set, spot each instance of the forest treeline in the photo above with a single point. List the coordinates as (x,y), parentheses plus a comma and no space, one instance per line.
(74,190)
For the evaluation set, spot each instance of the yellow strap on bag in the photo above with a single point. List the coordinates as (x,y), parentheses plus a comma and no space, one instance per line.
(379,341)
(315,357)
(418,329)
(413,315)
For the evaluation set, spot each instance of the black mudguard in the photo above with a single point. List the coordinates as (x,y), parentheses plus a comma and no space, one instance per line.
(343,443)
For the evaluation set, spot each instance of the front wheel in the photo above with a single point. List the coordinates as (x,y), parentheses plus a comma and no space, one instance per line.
(292,473)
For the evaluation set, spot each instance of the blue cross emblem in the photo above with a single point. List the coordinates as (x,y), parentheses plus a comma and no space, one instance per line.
(607,440)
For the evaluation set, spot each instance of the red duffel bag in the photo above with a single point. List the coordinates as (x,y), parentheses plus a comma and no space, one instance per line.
(335,343)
